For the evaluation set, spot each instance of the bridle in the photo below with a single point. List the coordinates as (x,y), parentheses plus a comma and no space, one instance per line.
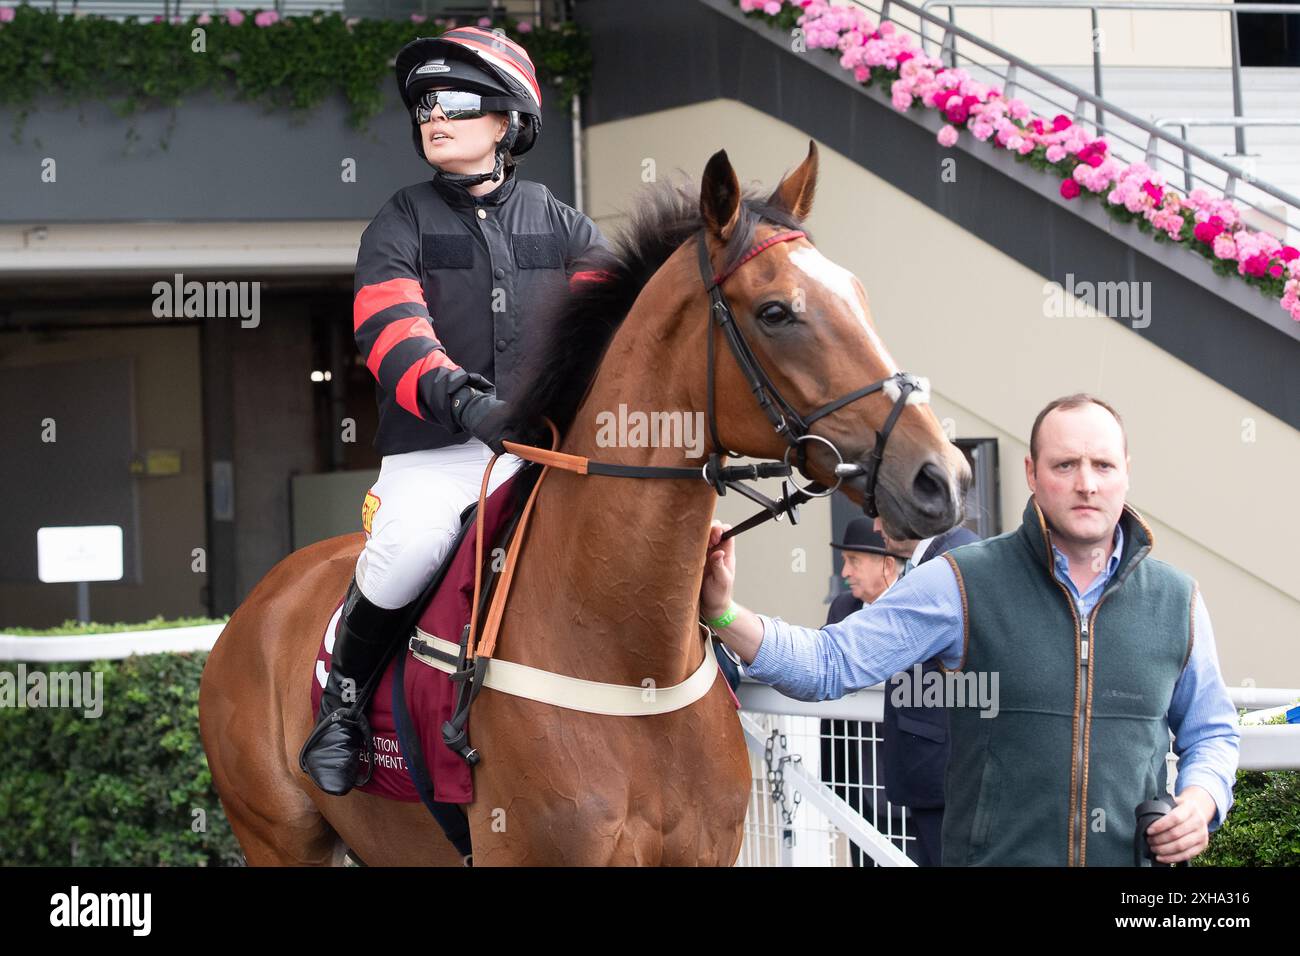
(795,428)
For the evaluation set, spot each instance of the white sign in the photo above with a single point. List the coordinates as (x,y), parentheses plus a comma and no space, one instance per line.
(91,553)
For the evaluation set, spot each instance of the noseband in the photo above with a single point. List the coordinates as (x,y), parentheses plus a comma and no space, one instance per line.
(795,428)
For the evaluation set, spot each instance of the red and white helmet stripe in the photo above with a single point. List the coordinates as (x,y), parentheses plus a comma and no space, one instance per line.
(501,52)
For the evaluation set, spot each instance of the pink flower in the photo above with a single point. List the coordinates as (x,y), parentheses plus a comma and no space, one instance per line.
(947,135)
(485,21)
(1208,230)
(6,14)
(266,18)
(525,26)
(234,17)
(1024,148)
(1060,122)
(418,18)
(1289,253)
(1152,190)
(1225,247)
(1018,109)
(772,8)
(204,19)
(1056,153)
(1275,271)
(1069,188)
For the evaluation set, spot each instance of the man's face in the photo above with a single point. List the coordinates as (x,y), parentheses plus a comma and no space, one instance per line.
(1081,478)
(456,146)
(868,575)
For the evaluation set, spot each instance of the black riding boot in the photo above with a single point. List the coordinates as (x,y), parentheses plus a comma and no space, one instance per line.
(331,754)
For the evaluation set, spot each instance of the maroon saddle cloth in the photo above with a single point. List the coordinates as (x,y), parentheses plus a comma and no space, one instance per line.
(428,694)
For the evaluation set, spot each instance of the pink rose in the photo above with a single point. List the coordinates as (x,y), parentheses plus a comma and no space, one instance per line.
(204,19)
(485,21)
(234,17)
(1069,188)
(6,14)
(1224,247)
(525,26)
(947,135)
(1055,153)
(1289,253)
(1060,122)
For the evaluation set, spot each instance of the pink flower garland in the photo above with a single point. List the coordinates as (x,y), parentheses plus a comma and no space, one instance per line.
(1083,159)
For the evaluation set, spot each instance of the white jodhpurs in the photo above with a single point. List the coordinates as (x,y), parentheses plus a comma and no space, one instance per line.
(412,513)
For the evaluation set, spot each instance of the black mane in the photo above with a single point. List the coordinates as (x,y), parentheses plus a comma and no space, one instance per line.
(566,346)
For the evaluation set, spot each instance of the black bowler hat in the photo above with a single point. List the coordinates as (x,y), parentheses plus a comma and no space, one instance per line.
(860,535)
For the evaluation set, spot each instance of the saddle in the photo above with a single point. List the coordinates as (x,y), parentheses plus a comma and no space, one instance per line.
(409,707)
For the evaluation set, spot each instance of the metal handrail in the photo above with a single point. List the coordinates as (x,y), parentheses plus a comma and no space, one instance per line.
(1282,9)
(1183,123)
(1016,66)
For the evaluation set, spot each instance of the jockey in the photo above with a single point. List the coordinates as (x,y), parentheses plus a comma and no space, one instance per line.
(474,253)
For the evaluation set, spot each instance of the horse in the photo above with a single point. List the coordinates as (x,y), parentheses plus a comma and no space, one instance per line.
(607,582)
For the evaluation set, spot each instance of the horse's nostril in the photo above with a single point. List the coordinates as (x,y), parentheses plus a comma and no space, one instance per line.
(930,490)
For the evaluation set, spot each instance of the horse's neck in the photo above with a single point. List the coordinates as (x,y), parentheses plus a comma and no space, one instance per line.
(613,565)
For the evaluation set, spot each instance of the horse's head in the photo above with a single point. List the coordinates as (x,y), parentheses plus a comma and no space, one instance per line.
(808,326)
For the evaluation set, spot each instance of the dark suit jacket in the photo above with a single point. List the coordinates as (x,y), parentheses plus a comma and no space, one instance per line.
(916,738)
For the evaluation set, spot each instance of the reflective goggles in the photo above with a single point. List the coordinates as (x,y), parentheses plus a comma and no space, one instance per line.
(456,104)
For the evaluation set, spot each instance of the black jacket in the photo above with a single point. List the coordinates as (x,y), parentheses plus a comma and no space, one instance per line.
(446,282)
(916,738)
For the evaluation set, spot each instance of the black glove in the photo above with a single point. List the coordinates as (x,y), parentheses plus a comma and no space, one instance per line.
(486,417)
(481,414)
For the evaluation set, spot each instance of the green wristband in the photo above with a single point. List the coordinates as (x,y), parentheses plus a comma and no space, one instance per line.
(724,620)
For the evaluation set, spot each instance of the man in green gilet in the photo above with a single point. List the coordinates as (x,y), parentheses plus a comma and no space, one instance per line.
(1094,652)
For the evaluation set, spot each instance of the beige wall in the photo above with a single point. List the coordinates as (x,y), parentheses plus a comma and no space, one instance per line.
(1064,37)
(168,415)
(953,308)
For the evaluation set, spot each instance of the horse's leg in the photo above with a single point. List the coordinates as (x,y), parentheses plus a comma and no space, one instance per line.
(254,716)
(254,712)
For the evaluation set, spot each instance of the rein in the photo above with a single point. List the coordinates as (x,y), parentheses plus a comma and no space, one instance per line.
(469,667)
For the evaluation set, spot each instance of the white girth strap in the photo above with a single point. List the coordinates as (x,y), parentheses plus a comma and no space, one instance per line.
(573,693)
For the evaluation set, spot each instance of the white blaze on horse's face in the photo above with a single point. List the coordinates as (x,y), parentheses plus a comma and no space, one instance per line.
(839,281)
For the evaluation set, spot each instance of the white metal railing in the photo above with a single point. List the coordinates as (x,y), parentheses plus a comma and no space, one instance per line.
(823,828)
(1132,138)
(1232,10)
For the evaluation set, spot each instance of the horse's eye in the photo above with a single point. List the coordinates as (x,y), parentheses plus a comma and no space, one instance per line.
(774,313)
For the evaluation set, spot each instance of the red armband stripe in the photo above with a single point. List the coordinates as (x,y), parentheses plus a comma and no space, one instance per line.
(407,395)
(373,299)
(411,327)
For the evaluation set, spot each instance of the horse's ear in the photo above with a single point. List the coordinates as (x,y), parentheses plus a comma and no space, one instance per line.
(720,196)
(795,194)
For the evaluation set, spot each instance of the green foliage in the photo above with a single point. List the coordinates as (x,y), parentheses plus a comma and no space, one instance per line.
(1263,826)
(118,790)
(75,628)
(294,64)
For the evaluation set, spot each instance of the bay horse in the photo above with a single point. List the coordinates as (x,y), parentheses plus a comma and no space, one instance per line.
(607,583)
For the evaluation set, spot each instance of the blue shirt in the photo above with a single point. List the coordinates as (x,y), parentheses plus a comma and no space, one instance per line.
(920,617)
